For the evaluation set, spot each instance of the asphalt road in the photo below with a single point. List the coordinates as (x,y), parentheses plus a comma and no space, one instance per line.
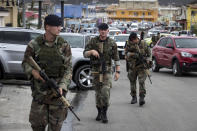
(171,105)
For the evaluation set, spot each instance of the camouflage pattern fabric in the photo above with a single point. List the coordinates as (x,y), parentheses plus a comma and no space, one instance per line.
(136,69)
(102,93)
(42,115)
(56,62)
(155,39)
(133,75)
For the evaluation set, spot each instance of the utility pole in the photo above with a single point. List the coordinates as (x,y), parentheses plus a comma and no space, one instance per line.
(192,15)
(23,13)
(62,13)
(40,15)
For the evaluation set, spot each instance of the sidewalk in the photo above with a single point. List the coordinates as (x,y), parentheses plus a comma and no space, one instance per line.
(15,101)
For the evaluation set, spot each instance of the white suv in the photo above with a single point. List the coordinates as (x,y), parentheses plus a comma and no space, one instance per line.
(13,42)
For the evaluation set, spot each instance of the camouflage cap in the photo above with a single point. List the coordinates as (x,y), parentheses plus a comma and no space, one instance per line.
(52,20)
(103,26)
(132,36)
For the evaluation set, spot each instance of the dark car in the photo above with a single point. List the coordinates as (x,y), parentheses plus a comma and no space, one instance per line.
(176,53)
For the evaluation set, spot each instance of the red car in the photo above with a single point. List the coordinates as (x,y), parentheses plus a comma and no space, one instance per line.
(176,53)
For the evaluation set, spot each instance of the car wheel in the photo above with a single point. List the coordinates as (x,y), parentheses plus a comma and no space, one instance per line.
(83,77)
(176,68)
(155,66)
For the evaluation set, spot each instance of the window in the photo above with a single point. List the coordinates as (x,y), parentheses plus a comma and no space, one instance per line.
(186,43)
(163,42)
(15,37)
(135,13)
(74,41)
(87,39)
(143,13)
(34,35)
(149,13)
(169,41)
(122,12)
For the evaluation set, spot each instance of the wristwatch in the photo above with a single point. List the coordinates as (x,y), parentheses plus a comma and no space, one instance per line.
(118,72)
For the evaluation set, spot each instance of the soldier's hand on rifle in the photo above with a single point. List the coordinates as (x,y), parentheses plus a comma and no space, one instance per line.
(95,53)
(36,75)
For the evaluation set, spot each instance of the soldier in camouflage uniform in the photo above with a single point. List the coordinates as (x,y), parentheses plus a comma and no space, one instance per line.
(135,68)
(53,54)
(102,92)
(155,39)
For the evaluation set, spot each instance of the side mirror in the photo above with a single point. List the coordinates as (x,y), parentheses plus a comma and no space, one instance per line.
(169,46)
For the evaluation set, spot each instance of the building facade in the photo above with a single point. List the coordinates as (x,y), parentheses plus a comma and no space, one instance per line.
(9,13)
(134,10)
(191,16)
(168,13)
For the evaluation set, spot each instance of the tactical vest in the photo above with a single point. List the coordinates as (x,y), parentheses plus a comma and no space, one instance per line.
(132,48)
(107,51)
(50,59)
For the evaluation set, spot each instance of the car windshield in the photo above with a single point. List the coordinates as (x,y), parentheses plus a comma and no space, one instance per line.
(186,43)
(74,41)
(121,38)
(133,26)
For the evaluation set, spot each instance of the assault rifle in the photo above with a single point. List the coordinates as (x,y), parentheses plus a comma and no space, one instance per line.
(102,68)
(142,60)
(127,63)
(51,83)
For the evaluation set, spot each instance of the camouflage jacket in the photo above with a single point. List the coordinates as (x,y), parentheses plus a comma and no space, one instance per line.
(56,60)
(131,52)
(155,38)
(110,51)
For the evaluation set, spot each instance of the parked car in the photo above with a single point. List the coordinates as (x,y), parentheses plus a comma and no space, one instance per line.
(176,53)
(114,31)
(13,42)
(81,66)
(120,40)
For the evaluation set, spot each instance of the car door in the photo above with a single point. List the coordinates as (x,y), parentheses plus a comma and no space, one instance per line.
(14,45)
(159,51)
(168,53)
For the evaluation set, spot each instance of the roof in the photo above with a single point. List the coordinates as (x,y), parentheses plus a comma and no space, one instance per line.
(21,29)
(122,35)
(182,37)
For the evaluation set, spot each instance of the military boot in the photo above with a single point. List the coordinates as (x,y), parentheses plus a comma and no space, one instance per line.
(134,100)
(141,101)
(98,118)
(104,114)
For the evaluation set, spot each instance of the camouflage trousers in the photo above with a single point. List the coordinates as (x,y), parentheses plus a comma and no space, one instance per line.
(102,93)
(42,115)
(133,75)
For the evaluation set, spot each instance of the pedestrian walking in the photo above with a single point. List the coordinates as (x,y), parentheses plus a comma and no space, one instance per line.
(133,50)
(53,55)
(101,50)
